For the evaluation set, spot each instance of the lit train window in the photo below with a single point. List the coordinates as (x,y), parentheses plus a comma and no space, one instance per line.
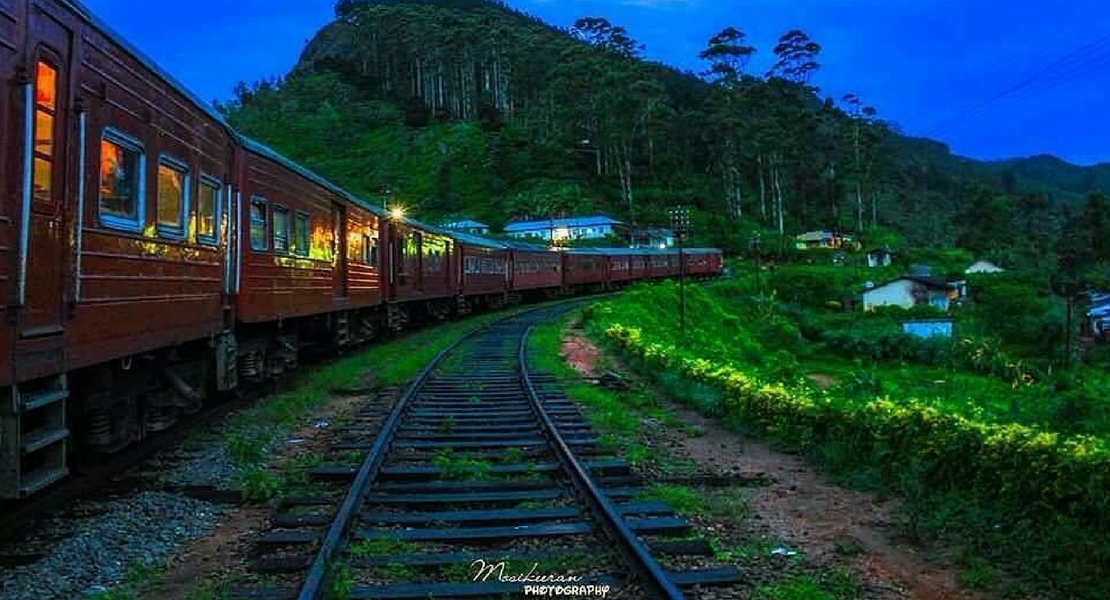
(121,181)
(370,250)
(300,234)
(281,229)
(258,224)
(208,211)
(173,194)
(46,92)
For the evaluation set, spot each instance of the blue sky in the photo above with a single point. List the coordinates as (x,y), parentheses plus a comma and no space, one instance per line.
(925,64)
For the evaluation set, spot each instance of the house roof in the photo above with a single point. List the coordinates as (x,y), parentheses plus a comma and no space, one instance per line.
(543,225)
(814,236)
(880,250)
(939,283)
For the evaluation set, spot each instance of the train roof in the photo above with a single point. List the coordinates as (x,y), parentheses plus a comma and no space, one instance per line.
(470,239)
(515,244)
(146,61)
(268,152)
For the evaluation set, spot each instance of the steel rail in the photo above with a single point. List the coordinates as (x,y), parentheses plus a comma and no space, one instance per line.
(314,584)
(648,572)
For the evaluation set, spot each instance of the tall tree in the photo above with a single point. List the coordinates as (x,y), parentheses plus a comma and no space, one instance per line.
(728,54)
(797,58)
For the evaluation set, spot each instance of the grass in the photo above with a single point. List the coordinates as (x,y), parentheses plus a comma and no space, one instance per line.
(382,547)
(833,584)
(453,467)
(1019,543)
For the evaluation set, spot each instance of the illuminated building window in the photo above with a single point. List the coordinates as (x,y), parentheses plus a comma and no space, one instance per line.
(258,224)
(208,211)
(173,194)
(121,181)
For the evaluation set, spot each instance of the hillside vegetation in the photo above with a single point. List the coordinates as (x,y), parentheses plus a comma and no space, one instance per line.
(470,108)
(993,453)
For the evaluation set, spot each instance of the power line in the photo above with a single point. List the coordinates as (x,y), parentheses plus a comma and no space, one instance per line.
(1082,53)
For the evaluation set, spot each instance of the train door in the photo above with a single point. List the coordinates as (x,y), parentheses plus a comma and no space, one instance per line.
(339,229)
(43,240)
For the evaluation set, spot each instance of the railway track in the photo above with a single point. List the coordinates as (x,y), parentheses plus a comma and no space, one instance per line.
(480,463)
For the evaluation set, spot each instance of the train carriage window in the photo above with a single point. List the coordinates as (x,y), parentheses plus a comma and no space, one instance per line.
(300,234)
(370,250)
(258,224)
(173,194)
(46,92)
(208,211)
(121,181)
(281,229)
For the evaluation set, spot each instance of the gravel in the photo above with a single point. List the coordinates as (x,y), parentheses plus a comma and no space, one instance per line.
(209,466)
(140,530)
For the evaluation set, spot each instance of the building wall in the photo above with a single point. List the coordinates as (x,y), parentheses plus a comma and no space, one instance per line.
(928,329)
(902,293)
(983,266)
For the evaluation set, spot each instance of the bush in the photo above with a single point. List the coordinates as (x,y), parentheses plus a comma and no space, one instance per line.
(1029,471)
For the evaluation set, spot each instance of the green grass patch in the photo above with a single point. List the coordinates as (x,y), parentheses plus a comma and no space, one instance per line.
(830,585)
(968,471)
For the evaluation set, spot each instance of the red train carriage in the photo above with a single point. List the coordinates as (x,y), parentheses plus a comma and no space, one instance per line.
(483,270)
(113,228)
(585,269)
(703,262)
(620,265)
(661,263)
(535,269)
(308,263)
(422,270)
(639,264)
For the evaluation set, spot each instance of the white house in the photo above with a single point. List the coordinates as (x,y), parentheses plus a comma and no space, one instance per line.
(908,291)
(468,226)
(574,228)
(983,266)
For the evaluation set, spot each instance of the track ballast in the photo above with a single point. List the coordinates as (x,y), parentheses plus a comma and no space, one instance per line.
(480,463)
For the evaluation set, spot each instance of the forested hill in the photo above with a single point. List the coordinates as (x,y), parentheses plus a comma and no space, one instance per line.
(471,108)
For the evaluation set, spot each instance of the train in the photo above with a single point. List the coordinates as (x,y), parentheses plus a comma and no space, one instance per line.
(154,258)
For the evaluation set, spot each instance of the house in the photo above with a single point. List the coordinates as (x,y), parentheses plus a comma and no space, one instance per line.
(816,239)
(879,257)
(468,226)
(653,238)
(1098,315)
(983,266)
(908,291)
(574,228)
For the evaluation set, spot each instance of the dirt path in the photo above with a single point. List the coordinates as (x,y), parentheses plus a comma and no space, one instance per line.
(828,524)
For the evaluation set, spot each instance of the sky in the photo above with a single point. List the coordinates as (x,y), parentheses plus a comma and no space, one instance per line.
(991,78)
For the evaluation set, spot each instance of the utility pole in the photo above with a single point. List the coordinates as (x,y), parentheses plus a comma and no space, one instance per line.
(680,222)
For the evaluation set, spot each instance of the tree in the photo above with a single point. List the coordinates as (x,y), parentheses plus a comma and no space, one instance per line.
(863,146)
(603,35)
(728,55)
(797,58)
